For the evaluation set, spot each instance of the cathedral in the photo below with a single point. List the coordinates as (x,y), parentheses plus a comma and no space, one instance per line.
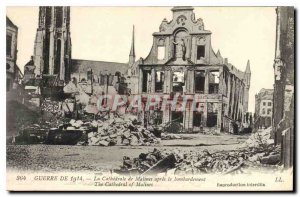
(52,65)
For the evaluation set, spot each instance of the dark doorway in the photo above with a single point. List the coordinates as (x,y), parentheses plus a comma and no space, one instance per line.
(197,119)
(177,116)
(146,76)
(212,113)
(211,119)
(159,81)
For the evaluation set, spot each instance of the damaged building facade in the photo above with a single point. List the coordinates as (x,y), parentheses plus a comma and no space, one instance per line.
(264,108)
(284,96)
(13,73)
(182,61)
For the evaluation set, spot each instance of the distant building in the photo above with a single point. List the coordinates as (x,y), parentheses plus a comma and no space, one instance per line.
(264,108)
(13,73)
(182,61)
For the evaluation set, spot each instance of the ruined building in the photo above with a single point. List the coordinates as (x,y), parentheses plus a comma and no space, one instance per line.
(13,73)
(284,96)
(264,108)
(182,61)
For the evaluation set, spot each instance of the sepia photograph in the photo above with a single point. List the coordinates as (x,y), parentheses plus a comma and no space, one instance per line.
(181,98)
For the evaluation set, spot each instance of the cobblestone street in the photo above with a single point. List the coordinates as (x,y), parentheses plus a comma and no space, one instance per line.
(98,158)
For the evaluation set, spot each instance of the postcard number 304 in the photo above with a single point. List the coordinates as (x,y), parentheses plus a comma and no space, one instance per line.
(21,178)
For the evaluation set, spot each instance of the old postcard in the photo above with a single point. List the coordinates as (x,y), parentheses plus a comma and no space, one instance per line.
(150,98)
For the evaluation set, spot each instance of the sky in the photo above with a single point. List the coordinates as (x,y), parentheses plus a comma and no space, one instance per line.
(105,33)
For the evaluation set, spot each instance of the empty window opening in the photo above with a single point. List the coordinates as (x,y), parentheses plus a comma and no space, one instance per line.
(213,82)
(146,80)
(200,51)
(199,81)
(8,45)
(159,81)
(161,52)
(178,81)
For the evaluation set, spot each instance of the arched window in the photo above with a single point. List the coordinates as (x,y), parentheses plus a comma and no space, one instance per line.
(161,49)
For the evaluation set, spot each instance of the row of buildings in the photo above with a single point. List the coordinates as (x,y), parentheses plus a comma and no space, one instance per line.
(181,61)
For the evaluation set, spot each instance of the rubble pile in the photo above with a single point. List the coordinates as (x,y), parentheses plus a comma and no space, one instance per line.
(262,148)
(205,162)
(185,163)
(115,131)
(225,162)
(146,161)
(260,138)
(50,106)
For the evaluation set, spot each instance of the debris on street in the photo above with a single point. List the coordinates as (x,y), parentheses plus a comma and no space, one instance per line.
(152,162)
(117,131)
(260,138)
(224,162)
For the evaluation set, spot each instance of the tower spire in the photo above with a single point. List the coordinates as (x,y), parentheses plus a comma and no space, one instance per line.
(132,51)
(248,67)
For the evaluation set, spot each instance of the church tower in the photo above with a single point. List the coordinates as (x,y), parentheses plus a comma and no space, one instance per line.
(52,49)
(247,78)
